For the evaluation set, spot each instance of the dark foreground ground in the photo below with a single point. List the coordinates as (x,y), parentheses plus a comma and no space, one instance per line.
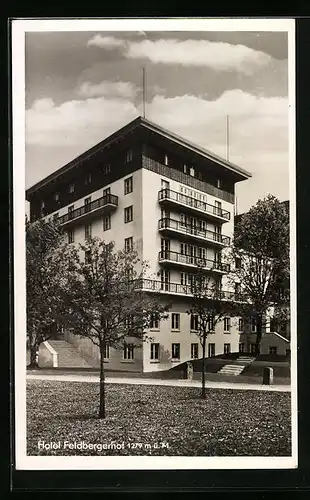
(156,420)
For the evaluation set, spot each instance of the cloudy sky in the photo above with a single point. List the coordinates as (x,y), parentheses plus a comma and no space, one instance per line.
(82,86)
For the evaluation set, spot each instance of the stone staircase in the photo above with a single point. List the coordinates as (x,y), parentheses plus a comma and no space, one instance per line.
(68,356)
(231,370)
(236,368)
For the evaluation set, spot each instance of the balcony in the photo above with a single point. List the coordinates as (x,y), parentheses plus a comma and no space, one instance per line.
(167,288)
(189,204)
(179,259)
(102,206)
(191,232)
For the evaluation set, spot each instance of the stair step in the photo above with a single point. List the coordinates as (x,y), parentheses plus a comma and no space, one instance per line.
(68,356)
(231,369)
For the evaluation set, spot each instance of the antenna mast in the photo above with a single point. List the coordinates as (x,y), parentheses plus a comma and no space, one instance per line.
(227,137)
(143,92)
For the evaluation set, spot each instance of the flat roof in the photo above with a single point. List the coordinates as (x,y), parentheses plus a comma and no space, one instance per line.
(136,123)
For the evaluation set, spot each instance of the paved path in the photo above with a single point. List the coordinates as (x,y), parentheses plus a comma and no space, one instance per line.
(173,383)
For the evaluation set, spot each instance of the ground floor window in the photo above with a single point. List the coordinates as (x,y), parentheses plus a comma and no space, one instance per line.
(241,347)
(175,351)
(106,352)
(129,351)
(273,350)
(194,351)
(155,351)
(252,348)
(211,350)
(226,348)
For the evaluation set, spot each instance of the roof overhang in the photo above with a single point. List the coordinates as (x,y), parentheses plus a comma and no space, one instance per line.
(239,173)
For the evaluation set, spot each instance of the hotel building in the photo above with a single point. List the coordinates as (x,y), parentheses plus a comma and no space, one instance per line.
(147,188)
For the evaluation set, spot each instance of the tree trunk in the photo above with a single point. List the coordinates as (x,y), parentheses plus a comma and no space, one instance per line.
(102,385)
(203,374)
(259,331)
(33,357)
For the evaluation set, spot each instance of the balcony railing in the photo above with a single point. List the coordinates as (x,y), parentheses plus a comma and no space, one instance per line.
(192,230)
(149,285)
(109,200)
(201,206)
(179,258)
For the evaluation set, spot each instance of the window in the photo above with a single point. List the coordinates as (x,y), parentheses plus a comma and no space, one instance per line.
(218,183)
(211,323)
(194,351)
(226,348)
(106,352)
(165,184)
(253,325)
(128,185)
(70,211)
(128,156)
(192,171)
(241,347)
(71,236)
(185,169)
(237,290)
(128,351)
(154,323)
(238,263)
(240,325)
(128,244)
(106,169)
(129,273)
(55,216)
(218,208)
(107,222)
(194,322)
(57,196)
(165,279)
(88,178)
(154,351)
(175,351)
(253,348)
(175,321)
(87,203)
(88,231)
(211,350)
(166,160)
(42,205)
(71,188)
(273,350)
(106,192)
(87,257)
(128,323)
(227,325)
(128,214)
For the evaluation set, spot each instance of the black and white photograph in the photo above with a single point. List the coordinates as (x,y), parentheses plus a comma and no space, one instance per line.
(154,244)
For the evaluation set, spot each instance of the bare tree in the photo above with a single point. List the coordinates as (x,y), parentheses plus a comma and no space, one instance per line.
(105,300)
(210,305)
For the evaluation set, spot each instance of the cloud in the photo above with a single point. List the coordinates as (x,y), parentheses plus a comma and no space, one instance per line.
(258,132)
(219,56)
(107,42)
(79,123)
(106,88)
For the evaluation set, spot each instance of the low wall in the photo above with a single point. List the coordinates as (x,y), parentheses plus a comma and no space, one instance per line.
(46,357)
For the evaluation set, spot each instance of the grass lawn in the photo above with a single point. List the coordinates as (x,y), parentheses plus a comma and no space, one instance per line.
(157,420)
